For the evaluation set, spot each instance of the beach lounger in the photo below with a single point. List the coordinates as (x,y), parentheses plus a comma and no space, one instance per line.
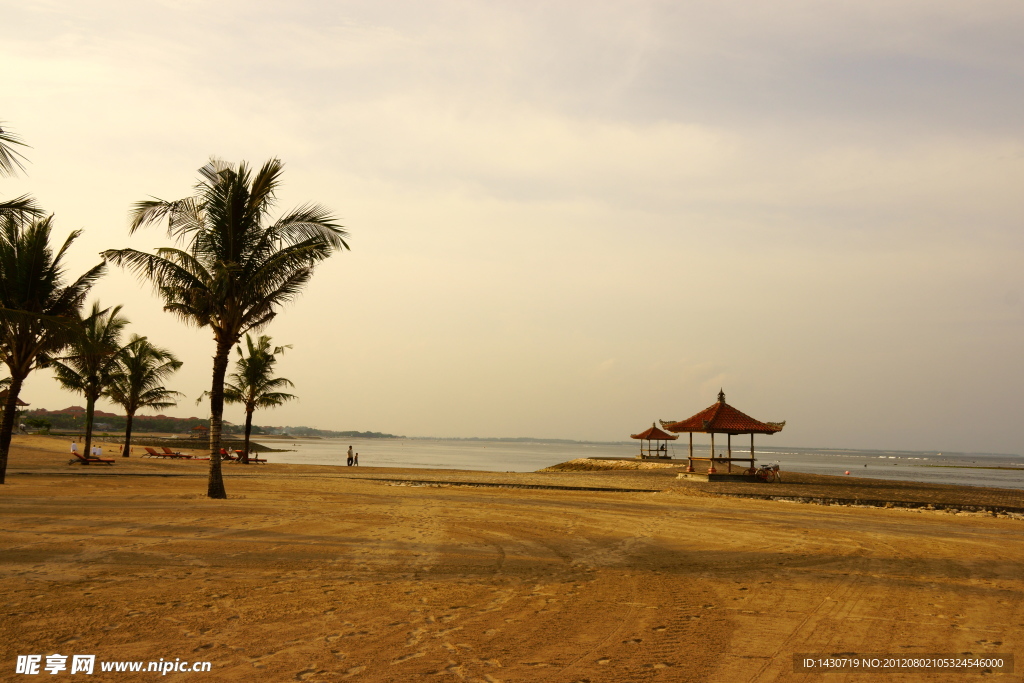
(237,456)
(156,454)
(168,451)
(81,459)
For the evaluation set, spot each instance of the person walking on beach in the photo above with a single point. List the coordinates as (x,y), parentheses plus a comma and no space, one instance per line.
(349,462)
(355,460)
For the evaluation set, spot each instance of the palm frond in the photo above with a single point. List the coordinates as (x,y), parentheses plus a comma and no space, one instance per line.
(68,377)
(155,210)
(171,271)
(23,207)
(10,158)
(274,399)
(310,222)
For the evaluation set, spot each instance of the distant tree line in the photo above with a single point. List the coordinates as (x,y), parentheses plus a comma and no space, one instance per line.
(74,422)
(105,422)
(327,433)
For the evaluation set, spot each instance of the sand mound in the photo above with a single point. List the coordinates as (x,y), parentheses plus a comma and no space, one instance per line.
(591,465)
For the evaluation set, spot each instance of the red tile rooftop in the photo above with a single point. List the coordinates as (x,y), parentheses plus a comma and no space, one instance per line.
(722,418)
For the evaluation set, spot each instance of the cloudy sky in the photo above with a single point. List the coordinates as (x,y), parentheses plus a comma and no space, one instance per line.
(570,219)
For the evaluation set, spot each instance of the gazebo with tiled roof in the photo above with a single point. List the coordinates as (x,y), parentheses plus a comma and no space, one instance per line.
(653,434)
(722,418)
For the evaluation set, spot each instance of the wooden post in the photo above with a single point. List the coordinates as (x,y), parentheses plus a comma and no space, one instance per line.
(729,443)
(689,458)
(711,467)
(751,450)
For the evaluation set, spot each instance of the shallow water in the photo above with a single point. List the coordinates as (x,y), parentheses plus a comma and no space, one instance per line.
(506,456)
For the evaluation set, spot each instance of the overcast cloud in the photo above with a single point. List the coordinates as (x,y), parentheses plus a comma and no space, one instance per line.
(571,219)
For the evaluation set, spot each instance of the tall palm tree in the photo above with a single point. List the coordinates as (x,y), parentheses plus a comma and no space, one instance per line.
(234,268)
(137,381)
(91,360)
(38,308)
(253,383)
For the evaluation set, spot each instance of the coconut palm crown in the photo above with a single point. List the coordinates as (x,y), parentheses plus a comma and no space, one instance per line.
(233,267)
(253,383)
(38,308)
(137,381)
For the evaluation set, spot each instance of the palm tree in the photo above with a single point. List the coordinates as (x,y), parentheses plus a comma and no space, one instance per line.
(90,366)
(137,381)
(234,268)
(253,383)
(38,309)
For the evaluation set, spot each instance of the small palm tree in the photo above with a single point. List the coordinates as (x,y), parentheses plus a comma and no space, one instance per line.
(90,365)
(137,381)
(235,269)
(253,383)
(38,308)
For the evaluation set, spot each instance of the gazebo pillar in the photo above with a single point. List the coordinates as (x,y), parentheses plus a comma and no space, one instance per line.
(689,463)
(711,466)
(728,438)
(751,450)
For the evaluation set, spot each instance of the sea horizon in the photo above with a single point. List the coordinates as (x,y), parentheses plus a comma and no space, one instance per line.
(528,455)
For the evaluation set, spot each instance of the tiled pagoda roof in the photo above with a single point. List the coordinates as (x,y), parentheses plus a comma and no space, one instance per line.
(722,418)
(654,434)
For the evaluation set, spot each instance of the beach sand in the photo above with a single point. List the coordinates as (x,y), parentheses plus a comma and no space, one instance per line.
(327,574)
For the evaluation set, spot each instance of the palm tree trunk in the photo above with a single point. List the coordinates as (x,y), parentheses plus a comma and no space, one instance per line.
(215,485)
(248,431)
(127,434)
(7,425)
(90,408)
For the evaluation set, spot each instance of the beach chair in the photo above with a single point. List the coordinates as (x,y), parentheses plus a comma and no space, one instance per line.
(174,454)
(153,453)
(81,459)
(224,455)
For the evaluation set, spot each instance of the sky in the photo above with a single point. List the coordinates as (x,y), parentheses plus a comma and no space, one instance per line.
(571,219)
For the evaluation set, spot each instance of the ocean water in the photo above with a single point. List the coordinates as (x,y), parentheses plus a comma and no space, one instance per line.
(528,456)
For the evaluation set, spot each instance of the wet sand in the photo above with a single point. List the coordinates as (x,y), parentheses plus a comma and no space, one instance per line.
(382,574)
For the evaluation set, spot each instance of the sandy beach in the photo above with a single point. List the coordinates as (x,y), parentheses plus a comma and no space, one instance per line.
(384,574)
